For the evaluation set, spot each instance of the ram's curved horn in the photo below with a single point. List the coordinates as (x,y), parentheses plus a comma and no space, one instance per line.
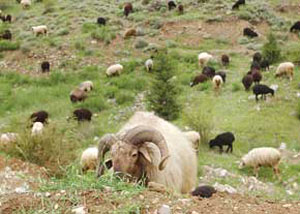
(141,134)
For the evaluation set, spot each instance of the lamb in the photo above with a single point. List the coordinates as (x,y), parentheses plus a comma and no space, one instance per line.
(6,35)
(224,139)
(249,33)
(88,160)
(257,57)
(77,95)
(154,150)
(86,86)
(128,8)
(37,129)
(180,9)
(225,60)
(237,4)
(82,114)
(101,21)
(222,74)
(204,58)
(39,116)
(263,90)
(295,27)
(114,70)
(45,66)
(193,137)
(256,75)
(285,69)
(171,4)
(204,191)
(263,156)
(217,82)
(25,3)
(7,138)
(247,81)
(40,30)
(209,71)
(200,78)
(149,64)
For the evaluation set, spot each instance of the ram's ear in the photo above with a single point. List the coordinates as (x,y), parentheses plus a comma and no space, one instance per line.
(151,153)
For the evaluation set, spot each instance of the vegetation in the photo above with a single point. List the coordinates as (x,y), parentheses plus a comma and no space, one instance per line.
(271,50)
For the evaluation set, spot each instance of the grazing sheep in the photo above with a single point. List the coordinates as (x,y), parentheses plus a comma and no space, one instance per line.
(128,8)
(39,116)
(257,57)
(204,191)
(149,64)
(25,3)
(209,71)
(265,65)
(193,137)
(256,75)
(37,129)
(263,90)
(77,95)
(247,81)
(88,160)
(114,70)
(171,4)
(263,156)
(6,18)
(222,74)
(285,69)
(86,86)
(45,66)
(225,60)
(7,138)
(204,58)
(237,4)
(224,139)
(6,35)
(217,82)
(295,27)
(101,21)
(255,66)
(130,32)
(40,30)
(82,114)
(249,33)
(180,9)
(200,78)
(151,148)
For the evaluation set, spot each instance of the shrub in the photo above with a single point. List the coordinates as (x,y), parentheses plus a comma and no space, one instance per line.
(125,97)
(8,46)
(271,50)
(103,34)
(163,92)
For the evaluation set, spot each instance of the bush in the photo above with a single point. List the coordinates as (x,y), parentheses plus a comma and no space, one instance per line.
(271,50)
(163,92)
(8,46)
(103,34)
(125,97)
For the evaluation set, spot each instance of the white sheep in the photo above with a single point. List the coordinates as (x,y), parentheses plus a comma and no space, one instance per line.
(25,3)
(37,30)
(155,148)
(193,137)
(204,58)
(86,86)
(37,128)
(263,156)
(149,64)
(114,70)
(7,138)
(285,69)
(217,81)
(88,159)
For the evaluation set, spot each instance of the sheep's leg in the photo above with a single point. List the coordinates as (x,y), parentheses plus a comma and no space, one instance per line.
(255,171)
(256,97)
(228,149)
(221,149)
(231,149)
(276,171)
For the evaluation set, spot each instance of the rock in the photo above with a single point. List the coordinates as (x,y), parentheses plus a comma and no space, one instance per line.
(47,194)
(282,146)
(274,87)
(56,206)
(286,205)
(298,94)
(140,43)
(165,209)
(225,188)
(79,210)
(194,212)
(206,36)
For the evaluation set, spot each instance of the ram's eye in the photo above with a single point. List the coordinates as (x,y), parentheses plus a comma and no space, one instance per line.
(134,155)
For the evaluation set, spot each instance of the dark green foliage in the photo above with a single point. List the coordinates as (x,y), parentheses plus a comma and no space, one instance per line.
(271,51)
(8,45)
(163,92)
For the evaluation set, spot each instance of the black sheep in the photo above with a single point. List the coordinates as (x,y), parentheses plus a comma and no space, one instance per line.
(222,74)
(204,191)
(247,81)
(256,75)
(6,35)
(265,65)
(257,57)
(82,114)
(128,9)
(45,66)
(249,32)
(180,8)
(237,4)
(8,18)
(295,27)
(171,5)
(39,116)
(209,71)
(199,79)
(225,60)
(255,66)
(101,21)
(224,139)
(263,90)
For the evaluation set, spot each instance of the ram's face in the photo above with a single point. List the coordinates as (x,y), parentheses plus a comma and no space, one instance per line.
(125,158)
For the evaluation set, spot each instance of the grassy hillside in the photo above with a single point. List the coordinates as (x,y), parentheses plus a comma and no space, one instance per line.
(78,50)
